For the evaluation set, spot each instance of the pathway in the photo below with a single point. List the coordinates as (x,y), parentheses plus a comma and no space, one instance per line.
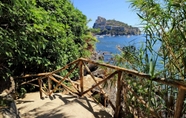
(60,106)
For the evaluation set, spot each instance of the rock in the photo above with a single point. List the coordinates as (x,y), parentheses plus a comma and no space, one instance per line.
(8,109)
(88,82)
(100,98)
(100,73)
(113,27)
(92,67)
(100,23)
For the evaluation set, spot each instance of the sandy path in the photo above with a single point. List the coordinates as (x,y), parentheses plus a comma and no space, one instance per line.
(60,106)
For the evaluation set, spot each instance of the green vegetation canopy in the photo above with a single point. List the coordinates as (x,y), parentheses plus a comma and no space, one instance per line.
(40,35)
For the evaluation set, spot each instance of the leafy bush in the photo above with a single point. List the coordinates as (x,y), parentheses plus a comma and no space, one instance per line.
(40,35)
(164,25)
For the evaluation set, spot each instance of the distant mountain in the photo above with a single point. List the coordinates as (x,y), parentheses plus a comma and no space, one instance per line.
(114,27)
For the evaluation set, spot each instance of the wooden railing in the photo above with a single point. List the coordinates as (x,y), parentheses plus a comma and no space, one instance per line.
(78,88)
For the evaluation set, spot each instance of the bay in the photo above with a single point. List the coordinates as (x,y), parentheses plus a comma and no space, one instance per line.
(107,45)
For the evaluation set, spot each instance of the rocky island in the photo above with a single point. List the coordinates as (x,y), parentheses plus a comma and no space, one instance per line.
(113,27)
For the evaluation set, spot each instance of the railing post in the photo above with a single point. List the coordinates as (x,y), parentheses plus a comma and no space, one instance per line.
(118,96)
(49,85)
(179,103)
(40,88)
(81,74)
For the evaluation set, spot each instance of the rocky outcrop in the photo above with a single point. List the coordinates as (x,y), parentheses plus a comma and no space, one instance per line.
(100,23)
(113,27)
(8,109)
(92,68)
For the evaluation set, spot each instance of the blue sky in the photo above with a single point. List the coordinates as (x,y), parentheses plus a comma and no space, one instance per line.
(110,9)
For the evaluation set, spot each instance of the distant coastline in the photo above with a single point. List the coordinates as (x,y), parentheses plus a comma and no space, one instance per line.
(109,35)
(114,28)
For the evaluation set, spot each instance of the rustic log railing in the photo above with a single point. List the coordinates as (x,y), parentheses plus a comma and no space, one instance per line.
(81,65)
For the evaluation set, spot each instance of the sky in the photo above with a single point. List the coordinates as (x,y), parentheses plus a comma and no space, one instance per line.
(119,10)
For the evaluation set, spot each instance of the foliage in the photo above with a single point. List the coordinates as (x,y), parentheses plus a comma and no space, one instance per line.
(164,25)
(168,24)
(117,23)
(94,31)
(40,36)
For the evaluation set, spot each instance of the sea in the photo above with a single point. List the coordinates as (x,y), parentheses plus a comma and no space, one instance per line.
(108,45)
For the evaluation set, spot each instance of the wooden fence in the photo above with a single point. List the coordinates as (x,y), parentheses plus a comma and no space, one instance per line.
(81,65)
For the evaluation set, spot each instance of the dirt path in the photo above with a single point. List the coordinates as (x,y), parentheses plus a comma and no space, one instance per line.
(60,106)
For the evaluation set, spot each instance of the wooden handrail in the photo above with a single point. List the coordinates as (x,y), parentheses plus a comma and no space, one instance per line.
(80,63)
(172,82)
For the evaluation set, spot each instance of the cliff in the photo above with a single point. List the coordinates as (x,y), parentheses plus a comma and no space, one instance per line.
(114,27)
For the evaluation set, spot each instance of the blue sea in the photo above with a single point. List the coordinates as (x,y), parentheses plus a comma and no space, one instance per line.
(108,44)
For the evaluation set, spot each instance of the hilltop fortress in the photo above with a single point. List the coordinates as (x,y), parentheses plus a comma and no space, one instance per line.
(114,27)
